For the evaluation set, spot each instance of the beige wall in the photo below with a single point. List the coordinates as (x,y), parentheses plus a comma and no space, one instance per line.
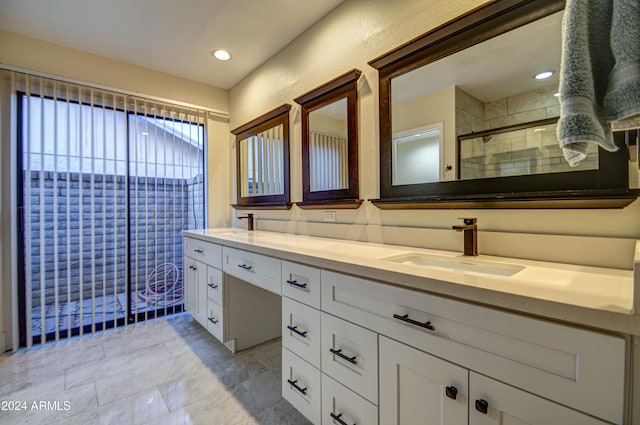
(350,36)
(37,55)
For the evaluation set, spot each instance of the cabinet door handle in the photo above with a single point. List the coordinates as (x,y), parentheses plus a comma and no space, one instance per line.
(294,384)
(192,267)
(199,251)
(295,330)
(245,267)
(296,284)
(451,392)
(338,353)
(336,418)
(482,406)
(214,321)
(405,318)
(212,286)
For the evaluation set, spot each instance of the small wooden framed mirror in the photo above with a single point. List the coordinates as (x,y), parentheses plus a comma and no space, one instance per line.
(262,161)
(330,144)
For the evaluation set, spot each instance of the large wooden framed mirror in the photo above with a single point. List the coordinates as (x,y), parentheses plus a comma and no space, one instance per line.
(464,123)
(262,161)
(329,116)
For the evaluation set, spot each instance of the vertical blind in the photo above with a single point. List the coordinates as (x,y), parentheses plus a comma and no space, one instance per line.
(327,162)
(108,181)
(262,165)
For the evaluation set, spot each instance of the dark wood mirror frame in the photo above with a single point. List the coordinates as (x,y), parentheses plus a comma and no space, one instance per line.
(342,87)
(264,122)
(607,187)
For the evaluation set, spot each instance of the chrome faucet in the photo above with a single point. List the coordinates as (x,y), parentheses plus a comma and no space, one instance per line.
(249,218)
(470,232)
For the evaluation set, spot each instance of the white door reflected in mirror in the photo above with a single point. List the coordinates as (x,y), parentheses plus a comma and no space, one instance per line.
(417,155)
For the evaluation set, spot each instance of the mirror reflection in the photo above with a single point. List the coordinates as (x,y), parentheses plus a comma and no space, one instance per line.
(262,163)
(417,155)
(328,147)
(492,104)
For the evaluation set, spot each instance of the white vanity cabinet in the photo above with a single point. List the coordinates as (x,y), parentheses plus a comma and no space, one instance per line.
(359,351)
(203,283)
(301,339)
(580,369)
(239,306)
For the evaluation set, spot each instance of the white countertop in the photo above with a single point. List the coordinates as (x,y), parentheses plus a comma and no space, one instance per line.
(596,297)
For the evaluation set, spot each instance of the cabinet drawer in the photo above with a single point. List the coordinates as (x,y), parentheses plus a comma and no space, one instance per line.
(301,330)
(302,283)
(350,355)
(259,270)
(301,385)
(215,320)
(555,361)
(341,404)
(490,402)
(206,252)
(214,285)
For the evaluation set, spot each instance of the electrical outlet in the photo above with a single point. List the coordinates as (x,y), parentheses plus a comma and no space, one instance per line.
(329,216)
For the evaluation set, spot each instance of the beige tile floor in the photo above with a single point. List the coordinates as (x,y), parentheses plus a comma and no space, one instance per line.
(168,371)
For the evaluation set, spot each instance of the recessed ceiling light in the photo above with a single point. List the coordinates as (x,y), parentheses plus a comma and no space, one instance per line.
(543,75)
(222,55)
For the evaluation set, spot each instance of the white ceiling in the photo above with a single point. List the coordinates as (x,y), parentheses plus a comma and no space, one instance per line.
(175,37)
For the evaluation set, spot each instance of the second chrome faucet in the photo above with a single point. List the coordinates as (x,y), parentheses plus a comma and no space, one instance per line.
(470,232)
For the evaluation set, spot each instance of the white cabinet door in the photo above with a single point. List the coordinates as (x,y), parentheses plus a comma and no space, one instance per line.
(190,286)
(417,388)
(195,288)
(492,403)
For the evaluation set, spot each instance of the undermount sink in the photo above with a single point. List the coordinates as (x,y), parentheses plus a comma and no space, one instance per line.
(461,264)
(226,230)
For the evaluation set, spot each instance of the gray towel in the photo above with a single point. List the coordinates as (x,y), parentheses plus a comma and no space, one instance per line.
(596,35)
(622,100)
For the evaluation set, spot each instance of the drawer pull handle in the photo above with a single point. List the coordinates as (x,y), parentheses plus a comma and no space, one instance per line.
(214,321)
(451,392)
(245,267)
(212,286)
(294,385)
(405,318)
(482,406)
(296,284)
(295,330)
(338,353)
(199,251)
(192,267)
(336,418)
